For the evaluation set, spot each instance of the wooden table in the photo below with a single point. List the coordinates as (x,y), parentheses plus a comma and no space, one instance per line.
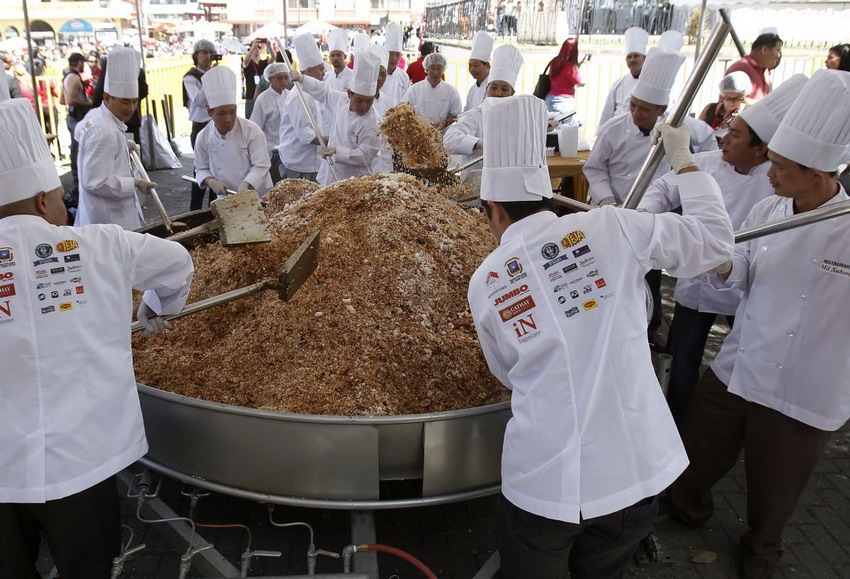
(569,167)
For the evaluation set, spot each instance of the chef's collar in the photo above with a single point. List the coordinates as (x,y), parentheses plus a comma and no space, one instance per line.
(533,222)
(118,121)
(645,132)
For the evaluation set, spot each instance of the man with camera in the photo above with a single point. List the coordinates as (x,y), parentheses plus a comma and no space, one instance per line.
(252,70)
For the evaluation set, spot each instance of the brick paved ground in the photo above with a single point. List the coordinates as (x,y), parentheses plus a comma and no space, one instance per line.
(456,540)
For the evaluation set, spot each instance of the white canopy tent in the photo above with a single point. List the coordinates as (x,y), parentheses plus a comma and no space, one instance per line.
(270,30)
(314,27)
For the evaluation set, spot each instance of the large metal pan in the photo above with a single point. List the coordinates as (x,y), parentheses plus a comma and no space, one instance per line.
(325,461)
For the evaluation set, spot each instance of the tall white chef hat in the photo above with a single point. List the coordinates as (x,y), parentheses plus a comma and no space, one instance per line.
(506,64)
(671,40)
(394,38)
(383,55)
(4,91)
(515,168)
(636,39)
(816,130)
(361,42)
(307,51)
(482,46)
(338,40)
(273,69)
(658,75)
(26,167)
(220,85)
(122,73)
(764,116)
(366,68)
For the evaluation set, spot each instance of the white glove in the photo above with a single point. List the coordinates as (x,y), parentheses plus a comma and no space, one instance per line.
(144,186)
(244,187)
(152,324)
(133,147)
(216,186)
(610,200)
(327,152)
(676,141)
(296,76)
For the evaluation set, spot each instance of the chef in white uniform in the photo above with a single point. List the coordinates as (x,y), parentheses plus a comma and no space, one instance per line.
(231,152)
(433,98)
(353,142)
(479,68)
(617,102)
(340,76)
(70,411)
(107,185)
(623,142)
(299,143)
(778,387)
(397,80)
(383,162)
(560,315)
(740,169)
(466,137)
(268,109)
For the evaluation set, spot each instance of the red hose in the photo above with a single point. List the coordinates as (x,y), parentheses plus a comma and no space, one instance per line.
(402,555)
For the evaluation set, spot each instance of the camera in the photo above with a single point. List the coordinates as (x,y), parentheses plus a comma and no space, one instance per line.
(215,57)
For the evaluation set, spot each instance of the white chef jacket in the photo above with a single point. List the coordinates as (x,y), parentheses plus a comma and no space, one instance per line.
(341,81)
(296,151)
(240,155)
(268,109)
(197,99)
(560,311)
(435,103)
(383,162)
(354,136)
(619,152)
(460,138)
(788,348)
(396,84)
(70,414)
(337,82)
(740,193)
(618,98)
(107,193)
(476,95)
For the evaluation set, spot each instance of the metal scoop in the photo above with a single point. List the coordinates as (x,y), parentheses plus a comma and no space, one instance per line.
(297,269)
(239,219)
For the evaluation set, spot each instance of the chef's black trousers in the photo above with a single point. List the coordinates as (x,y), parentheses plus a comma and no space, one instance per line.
(686,341)
(83,533)
(197,199)
(780,454)
(534,547)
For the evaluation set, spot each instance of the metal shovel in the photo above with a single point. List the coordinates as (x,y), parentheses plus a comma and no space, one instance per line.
(139,168)
(239,219)
(297,269)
